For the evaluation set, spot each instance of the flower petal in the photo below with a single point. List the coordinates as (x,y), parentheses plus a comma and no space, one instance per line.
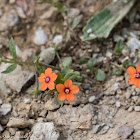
(138,68)
(74,89)
(131,70)
(70,97)
(42,77)
(51,85)
(48,71)
(53,77)
(68,83)
(131,80)
(60,88)
(44,86)
(62,96)
(137,83)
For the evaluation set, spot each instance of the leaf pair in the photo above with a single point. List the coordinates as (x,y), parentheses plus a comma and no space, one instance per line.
(13,53)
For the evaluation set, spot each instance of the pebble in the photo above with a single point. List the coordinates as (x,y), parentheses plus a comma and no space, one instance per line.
(44,131)
(5,109)
(1,102)
(52,104)
(19,123)
(47,55)
(130,109)
(86,86)
(27,100)
(96,129)
(40,37)
(125,131)
(118,104)
(21,12)
(137,108)
(105,129)
(1,128)
(57,39)
(127,94)
(91,99)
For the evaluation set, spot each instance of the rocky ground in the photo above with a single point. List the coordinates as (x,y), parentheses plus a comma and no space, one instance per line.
(108,110)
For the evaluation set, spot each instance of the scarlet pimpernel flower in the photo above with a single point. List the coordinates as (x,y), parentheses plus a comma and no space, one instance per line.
(67,91)
(47,79)
(134,76)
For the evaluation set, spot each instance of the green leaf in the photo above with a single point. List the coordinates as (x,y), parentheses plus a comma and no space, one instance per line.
(100,25)
(59,6)
(76,21)
(39,70)
(83,60)
(67,62)
(10,69)
(59,79)
(68,36)
(119,47)
(76,83)
(68,75)
(13,49)
(66,70)
(91,63)
(100,75)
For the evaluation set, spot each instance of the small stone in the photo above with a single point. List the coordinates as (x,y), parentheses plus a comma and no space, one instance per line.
(12,131)
(118,104)
(57,39)
(1,128)
(52,104)
(109,54)
(137,108)
(1,101)
(118,38)
(110,125)
(91,99)
(96,129)
(125,52)
(105,129)
(130,109)
(135,98)
(21,12)
(127,95)
(47,55)
(5,109)
(44,131)
(6,134)
(86,125)
(125,131)
(40,37)
(43,113)
(19,123)
(27,100)
(19,135)
(86,86)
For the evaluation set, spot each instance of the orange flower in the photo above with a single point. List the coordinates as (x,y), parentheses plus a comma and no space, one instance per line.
(134,76)
(47,79)
(67,90)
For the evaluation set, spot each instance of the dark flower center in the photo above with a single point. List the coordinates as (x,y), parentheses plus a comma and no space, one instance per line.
(137,75)
(67,90)
(47,79)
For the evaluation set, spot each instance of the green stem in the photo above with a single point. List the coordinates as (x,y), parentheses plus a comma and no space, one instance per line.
(29,63)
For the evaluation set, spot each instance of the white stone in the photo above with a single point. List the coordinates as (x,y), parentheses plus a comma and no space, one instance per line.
(18,51)
(118,104)
(57,39)
(40,37)
(27,100)
(47,55)
(137,108)
(91,99)
(44,131)
(21,12)
(1,101)
(5,109)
